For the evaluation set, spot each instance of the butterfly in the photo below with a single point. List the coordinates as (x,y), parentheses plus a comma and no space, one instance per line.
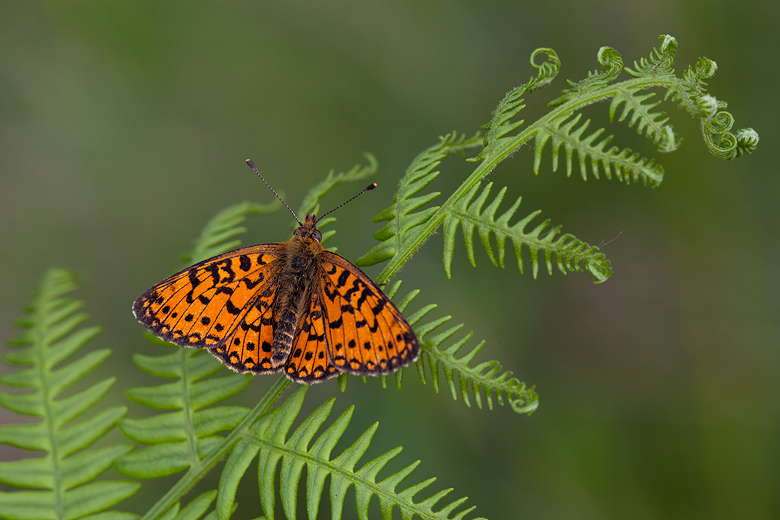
(292,306)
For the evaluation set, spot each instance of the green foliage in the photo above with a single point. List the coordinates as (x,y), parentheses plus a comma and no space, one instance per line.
(270,441)
(191,430)
(484,377)
(64,478)
(412,220)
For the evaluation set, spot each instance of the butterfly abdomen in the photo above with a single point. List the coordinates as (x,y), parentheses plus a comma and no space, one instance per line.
(295,286)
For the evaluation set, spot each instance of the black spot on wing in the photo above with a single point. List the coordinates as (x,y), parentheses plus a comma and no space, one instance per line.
(232,309)
(244,263)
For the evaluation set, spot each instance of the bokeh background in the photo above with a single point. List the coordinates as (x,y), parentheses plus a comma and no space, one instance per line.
(125,125)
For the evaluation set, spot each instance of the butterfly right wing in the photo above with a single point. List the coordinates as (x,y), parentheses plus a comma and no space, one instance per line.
(205,304)
(366,333)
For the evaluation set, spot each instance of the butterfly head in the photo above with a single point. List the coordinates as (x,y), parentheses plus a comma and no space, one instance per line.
(308,229)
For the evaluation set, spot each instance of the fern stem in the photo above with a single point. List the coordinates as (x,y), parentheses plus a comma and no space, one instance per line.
(42,320)
(192,439)
(427,229)
(199,470)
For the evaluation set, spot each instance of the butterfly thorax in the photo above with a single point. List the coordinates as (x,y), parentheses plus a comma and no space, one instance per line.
(296,287)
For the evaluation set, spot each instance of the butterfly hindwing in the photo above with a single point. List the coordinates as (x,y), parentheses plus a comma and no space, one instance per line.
(202,306)
(366,333)
(249,348)
(309,361)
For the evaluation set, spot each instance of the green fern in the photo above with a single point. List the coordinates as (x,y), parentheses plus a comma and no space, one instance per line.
(484,377)
(407,231)
(569,251)
(63,478)
(271,442)
(565,131)
(411,221)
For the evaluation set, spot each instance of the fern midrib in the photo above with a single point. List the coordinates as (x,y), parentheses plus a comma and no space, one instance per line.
(207,463)
(40,346)
(506,145)
(191,437)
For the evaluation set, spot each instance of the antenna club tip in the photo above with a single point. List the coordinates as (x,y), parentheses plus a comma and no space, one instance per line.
(250,163)
(371,186)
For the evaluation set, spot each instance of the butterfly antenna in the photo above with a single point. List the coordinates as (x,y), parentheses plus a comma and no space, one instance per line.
(252,165)
(367,188)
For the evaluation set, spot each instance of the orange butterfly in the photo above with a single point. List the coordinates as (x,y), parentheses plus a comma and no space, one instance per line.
(293,306)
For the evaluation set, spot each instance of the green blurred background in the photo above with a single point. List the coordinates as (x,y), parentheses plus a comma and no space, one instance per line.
(125,126)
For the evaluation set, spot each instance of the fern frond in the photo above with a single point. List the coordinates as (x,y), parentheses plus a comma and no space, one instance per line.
(180,438)
(500,123)
(401,216)
(653,124)
(485,377)
(625,165)
(611,65)
(63,478)
(570,253)
(271,442)
(311,204)
(660,62)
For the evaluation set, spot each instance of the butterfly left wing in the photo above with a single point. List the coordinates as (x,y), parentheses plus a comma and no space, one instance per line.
(203,304)
(249,347)
(366,333)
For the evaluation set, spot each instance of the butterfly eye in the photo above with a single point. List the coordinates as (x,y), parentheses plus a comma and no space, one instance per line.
(316,235)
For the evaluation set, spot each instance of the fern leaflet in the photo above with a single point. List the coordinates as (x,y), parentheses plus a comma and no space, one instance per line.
(569,252)
(625,165)
(64,477)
